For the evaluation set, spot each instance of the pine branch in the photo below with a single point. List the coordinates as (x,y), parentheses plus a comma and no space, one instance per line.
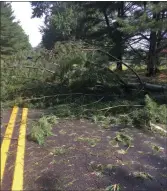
(118,60)
(68,94)
(34,68)
(123,64)
(141,56)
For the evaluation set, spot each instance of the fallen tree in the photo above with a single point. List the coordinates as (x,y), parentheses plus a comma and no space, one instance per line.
(149,86)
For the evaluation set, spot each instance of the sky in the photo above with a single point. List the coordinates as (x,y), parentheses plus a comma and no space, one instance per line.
(23,13)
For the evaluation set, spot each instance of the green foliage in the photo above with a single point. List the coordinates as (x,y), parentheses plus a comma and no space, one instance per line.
(14,49)
(156,148)
(42,128)
(115,26)
(155,112)
(114,187)
(142,175)
(91,141)
(61,25)
(88,21)
(13,39)
(140,118)
(123,138)
(148,23)
(71,66)
(77,66)
(14,74)
(59,150)
(152,112)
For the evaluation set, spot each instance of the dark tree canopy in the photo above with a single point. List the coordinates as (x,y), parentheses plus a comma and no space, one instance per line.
(114,26)
(13,39)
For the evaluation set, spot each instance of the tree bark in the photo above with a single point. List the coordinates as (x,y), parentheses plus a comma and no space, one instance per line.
(119,43)
(116,35)
(148,86)
(153,58)
(119,64)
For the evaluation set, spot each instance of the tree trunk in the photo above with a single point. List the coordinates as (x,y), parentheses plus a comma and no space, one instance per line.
(149,86)
(117,35)
(153,58)
(119,64)
(119,43)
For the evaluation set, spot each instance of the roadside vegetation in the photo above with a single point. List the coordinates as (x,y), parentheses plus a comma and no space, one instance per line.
(104,62)
(77,79)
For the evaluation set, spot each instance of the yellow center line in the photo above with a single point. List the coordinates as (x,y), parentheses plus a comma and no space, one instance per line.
(7,140)
(19,163)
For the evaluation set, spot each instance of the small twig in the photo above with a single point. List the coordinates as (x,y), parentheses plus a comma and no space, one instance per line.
(43,97)
(33,68)
(70,94)
(121,106)
(93,102)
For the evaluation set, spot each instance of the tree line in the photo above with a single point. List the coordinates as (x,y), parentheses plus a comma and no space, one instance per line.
(119,28)
(12,37)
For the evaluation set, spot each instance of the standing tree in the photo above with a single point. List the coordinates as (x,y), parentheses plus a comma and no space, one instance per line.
(148,22)
(95,22)
(115,26)
(12,38)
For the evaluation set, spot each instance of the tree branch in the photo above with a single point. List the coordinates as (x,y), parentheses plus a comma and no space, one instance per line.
(33,68)
(141,83)
(107,108)
(68,94)
(123,64)
(119,78)
(163,34)
(135,41)
(126,9)
(145,37)
(136,52)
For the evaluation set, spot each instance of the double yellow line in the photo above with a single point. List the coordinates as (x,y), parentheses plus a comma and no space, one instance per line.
(17,183)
